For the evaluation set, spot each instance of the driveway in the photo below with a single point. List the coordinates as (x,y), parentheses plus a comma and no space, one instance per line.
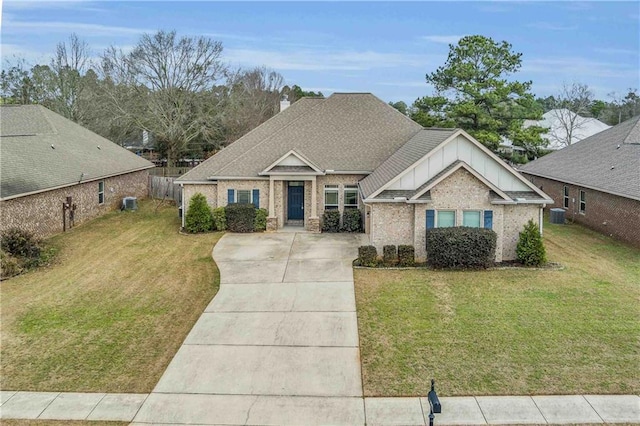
(279,342)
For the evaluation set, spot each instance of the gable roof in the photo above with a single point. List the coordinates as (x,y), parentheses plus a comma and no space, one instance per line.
(346,132)
(41,150)
(608,161)
(431,144)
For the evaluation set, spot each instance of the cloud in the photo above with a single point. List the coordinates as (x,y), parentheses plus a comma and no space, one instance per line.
(550,26)
(83,5)
(83,29)
(320,60)
(616,51)
(445,39)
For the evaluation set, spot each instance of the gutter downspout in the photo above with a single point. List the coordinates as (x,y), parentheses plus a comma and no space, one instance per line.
(541,217)
(182,203)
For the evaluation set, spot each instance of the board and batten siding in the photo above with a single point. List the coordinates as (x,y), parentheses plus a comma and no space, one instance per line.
(458,149)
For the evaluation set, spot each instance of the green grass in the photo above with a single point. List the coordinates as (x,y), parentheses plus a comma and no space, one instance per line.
(112,310)
(571,331)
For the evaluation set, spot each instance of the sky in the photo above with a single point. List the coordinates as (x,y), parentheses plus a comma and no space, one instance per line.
(381,47)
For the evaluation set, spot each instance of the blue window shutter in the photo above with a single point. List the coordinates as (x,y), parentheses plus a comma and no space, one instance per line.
(488,219)
(256,198)
(431,219)
(231,196)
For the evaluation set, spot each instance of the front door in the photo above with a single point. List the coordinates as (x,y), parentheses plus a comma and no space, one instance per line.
(295,201)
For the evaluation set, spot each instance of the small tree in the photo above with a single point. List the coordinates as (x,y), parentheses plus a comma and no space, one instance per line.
(530,249)
(199,217)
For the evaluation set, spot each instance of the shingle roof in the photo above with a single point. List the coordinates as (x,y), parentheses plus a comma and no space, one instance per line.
(344,132)
(608,161)
(416,148)
(40,150)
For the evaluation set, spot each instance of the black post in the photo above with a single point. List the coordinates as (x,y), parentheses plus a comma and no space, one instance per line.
(434,402)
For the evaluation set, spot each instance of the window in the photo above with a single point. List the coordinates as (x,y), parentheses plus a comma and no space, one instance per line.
(446,218)
(471,218)
(583,201)
(101,192)
(350,196)
(331,197)
(566,197)
(244,196)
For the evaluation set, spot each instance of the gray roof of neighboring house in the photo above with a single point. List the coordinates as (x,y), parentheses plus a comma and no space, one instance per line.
(608,161)
(41,150)
(416,148)
(344,132)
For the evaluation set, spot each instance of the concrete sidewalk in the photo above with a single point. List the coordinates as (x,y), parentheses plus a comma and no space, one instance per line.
(265,410)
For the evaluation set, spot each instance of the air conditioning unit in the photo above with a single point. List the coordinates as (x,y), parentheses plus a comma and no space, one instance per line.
(130,203)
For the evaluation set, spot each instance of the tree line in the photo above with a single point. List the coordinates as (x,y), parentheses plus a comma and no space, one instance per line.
(179,89)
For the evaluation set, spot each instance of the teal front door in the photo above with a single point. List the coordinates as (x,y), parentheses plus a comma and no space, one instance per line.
(295,202)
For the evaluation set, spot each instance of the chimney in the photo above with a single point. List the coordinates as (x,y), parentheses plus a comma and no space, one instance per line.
(284,103)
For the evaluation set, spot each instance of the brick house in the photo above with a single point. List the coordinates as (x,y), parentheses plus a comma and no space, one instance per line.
(352,150)
(596,181)
(46,158)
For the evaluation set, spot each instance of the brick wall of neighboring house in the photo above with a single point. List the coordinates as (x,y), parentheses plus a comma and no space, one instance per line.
(611,215)
(400,223)
(41,213)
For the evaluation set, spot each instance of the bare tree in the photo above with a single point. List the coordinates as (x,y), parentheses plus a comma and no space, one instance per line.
(570,106)
(165,86)
(253,98)
(66,85)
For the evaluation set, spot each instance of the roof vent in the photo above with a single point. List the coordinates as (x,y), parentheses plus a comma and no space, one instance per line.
(618,147)
(613,167)
(53,147)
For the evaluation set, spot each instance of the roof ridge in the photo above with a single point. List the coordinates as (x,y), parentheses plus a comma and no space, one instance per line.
(269,136)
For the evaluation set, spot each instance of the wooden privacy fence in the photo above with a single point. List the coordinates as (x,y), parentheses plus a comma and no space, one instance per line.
(164,188)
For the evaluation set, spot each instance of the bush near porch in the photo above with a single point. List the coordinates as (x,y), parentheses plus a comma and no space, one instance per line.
(510,331)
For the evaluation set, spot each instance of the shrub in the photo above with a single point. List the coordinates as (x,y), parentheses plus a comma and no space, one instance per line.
(406,255)
(461,247)
(240,217)
(9,265)
(367,256)
(331,221)
(199,217)
(352,220)
(260,222)
(530,249)
(19,243)
(219,219)
(389,255)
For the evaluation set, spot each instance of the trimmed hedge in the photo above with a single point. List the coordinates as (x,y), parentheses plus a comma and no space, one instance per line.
(352,220)
(389,255)
(331,221)
(199,217)
(461,247)
(368,256)
(530,249)
(240,217)
(406,255)
(260,223)
(219,219)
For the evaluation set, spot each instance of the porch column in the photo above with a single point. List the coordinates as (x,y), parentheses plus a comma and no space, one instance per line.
(272,198)
(314,198)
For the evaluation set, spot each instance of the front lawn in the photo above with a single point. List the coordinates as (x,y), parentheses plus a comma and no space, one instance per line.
(573,331)
(111,312)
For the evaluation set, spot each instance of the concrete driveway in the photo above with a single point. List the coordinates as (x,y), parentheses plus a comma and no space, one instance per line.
(279,342)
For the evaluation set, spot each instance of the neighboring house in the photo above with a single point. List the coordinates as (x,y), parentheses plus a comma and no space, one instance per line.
(46,158)
(597,181)
(560,123)
(352,150)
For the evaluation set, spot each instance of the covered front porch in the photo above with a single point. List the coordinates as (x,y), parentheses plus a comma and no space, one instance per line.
(293,203)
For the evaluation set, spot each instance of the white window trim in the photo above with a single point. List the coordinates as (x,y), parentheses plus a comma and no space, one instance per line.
(101,183)
(581,202)
(331,188)
(237,195)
